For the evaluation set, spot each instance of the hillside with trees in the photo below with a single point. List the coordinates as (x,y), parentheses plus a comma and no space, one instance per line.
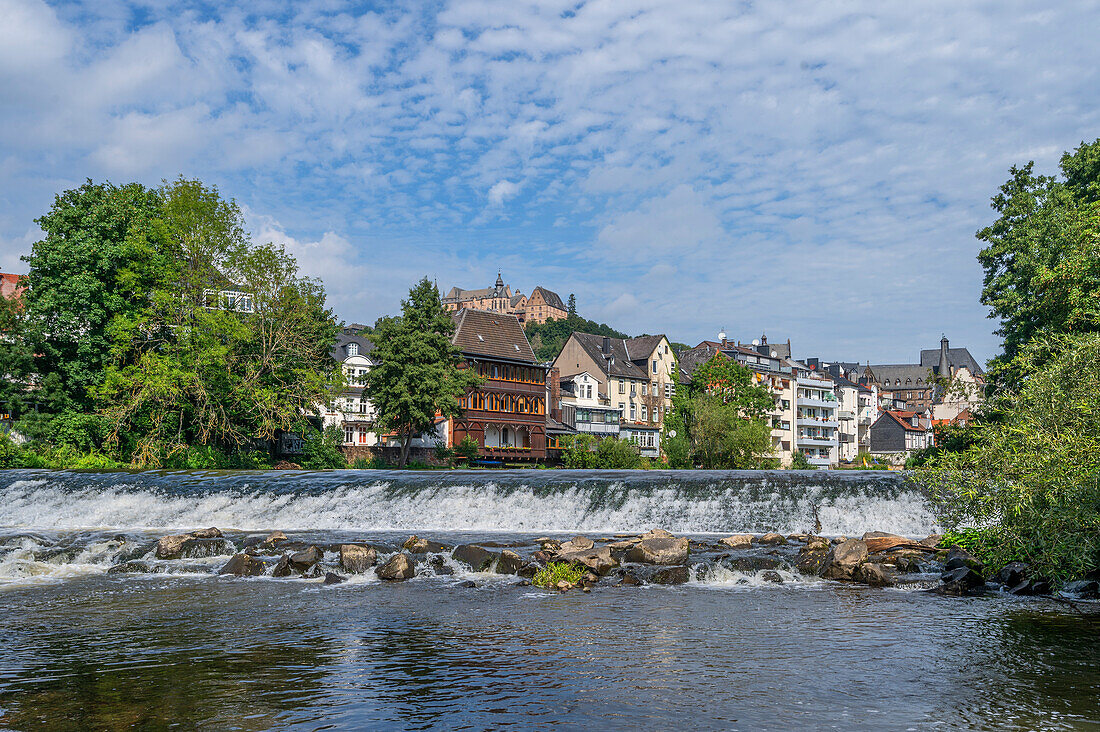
(548,338)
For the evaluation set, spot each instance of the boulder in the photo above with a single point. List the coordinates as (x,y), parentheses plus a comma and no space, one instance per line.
(200,548)
(577,544)
(286,465)
(1082,589)
(357,559)
(737,541)
(885,543)
(657,534)
(306,558)
(440,566)
(772,576)
(416,545)
(283,568)
(959,582)
(629,580)
(873,574)
(563,586)
(397,567)
(907,564)
(932,540)
(843,559)
(816,544)
(131,568)
(772,539)
(467,584)
(211,533)
(477,558)
(957,557)
(509,562)
(314,572)
(545,542)
(243,565)
(880,535)
(598,560)
(1012,574)
(274,538)
(670,576)
(812,563)
(839,539)
(331,578)
(659,550)
(798,537)
(169,547)
(751,564)
(1029,587)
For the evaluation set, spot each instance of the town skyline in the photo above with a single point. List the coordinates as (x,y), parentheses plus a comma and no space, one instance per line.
(771,176)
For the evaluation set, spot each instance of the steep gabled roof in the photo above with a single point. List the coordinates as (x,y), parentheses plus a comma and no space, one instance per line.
(956,357)
(899,417)
(492,335)
(642,347)
(9,286)
(550,297)
(339,350)
(621,365)
(891,372)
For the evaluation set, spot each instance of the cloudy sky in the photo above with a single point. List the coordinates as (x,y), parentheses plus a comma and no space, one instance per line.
(809,169)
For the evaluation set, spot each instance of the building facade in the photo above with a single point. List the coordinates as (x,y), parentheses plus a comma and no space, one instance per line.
(900,433)
(507,415)
(351,412)
(541,306)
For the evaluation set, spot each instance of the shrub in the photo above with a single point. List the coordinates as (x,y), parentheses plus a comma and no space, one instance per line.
(374,463)
(800,462)
(322,450)
(442,453)
(555,572)
(466,450)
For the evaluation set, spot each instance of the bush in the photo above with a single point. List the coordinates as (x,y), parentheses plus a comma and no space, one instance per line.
(442,453)
(555,572)
(800,462)
(1031,480)
(374,463)
(467,450)
(586,452)
(982,543)
(322,450)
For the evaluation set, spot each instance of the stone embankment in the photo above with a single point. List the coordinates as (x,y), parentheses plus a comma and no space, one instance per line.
(623,560)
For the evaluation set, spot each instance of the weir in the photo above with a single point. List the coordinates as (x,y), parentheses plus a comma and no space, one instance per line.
(697,502)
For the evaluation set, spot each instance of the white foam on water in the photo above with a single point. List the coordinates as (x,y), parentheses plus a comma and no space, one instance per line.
(389,505)
(719,577)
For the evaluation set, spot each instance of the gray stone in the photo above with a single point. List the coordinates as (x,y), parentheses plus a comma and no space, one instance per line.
(417,545)
(577,544)
(1082,589)
(331,578)
(772,576)
(131,568)
(283,568)
(243,565)
(211,533)
(169,547)
(305,559)
(357,559)
(772,539)
(201,548)
(1012,574)
(843,559)
(629,580)
(958,557)
(477,558)
(467,583)
(959,582)
(397,567)
(751,564)
(660,550)
(873,574)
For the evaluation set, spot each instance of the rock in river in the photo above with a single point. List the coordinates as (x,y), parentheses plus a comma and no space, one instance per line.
(169,547)
(843,559)
(598,560)
(659,550)
(243,565)
(873,574)
(398,567)
(959,582)
(478,558)
(737,541)
(306,558)
(509,562)
(958,557)
(772,539)
(416,545)
(357,559)
(670,576)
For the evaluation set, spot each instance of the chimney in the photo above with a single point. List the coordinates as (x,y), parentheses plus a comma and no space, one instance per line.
(554,402)
(606,346)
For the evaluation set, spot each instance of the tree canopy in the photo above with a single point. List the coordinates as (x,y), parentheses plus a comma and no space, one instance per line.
(420,374)
(547,339)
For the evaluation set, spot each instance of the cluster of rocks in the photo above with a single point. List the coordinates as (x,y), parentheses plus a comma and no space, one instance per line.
(655,557)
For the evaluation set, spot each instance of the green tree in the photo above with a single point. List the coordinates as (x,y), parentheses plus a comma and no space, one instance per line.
(722,437)
(553,334)
(799,461)
(419,375)
(209,371)
(1031,481)
(572,306)
(322,449)
(1041,259)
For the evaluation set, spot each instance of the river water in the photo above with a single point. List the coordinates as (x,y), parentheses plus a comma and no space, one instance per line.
(179,646)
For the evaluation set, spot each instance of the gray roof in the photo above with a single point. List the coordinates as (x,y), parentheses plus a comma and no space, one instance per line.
(693,358)
(339,350)
(641,347)
(621,364)
(956,357)
(494,335)
(907,373)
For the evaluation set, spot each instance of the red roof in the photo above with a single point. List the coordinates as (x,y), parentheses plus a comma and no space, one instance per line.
(9,285)
(903,418)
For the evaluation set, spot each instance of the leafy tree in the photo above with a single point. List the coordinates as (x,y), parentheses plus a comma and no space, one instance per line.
(552,335)
(231,374)
(1042,256)
(466,450)
(721,437)
(799,461)
(419,376)
(322,449)
(16,360)
(587,452)
(1031,482)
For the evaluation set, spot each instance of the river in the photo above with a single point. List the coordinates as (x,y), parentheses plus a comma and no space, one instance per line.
(84,648)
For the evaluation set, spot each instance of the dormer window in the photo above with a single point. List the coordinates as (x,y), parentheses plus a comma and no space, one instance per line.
(353,349)
(480,337)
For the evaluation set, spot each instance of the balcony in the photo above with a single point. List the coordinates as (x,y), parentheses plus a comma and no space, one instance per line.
(846,414)
(815,383)
(598,428)
(820,403)
(817,441)
(811,422)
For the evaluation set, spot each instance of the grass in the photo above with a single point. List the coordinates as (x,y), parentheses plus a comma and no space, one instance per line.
(555,572)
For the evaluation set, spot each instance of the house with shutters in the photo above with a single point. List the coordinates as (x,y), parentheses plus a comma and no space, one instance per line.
(351,412)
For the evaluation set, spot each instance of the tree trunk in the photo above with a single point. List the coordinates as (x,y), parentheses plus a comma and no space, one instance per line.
(405,449)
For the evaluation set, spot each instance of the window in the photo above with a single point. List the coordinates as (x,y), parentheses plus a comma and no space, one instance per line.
(633,412)
(668,390)
(645,388)
(622,386)
(622,406)
(353,349)
(645,414)
(654,365)
(362,437)
(496,371)
(349,435)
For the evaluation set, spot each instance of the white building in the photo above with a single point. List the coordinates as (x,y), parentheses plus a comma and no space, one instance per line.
(817,415)
(351,411)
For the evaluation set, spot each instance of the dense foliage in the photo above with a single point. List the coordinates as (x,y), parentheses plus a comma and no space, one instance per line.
(717,420)
(1031,480)
(419,374)
(1042,256)
(585,451)
(547,339)
(136,352)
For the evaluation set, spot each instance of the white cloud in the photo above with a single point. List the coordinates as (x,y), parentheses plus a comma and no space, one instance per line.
(501,191)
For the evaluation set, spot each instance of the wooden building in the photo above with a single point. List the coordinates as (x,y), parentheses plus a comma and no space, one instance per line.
(506,415)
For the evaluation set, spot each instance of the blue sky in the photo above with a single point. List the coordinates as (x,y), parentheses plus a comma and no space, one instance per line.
(812,170)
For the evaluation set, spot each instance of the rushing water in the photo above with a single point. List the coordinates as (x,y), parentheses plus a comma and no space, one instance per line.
(84,648)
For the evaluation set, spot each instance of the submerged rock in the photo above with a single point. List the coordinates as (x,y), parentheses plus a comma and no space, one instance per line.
(440,566)
(477,558)
(397,567)
(200,548)
(416,545)
(243,565)
(131,568)
(306,558)
(357,559)
(875,575)
(1082,589)
(843,559)
(169,547)
(772,576)
(509,562)
(331,578)
(467,584)
(737,541)
(748,565)
(670,576)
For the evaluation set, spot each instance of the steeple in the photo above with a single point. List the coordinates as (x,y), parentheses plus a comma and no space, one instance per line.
(944,369)
(499,284)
